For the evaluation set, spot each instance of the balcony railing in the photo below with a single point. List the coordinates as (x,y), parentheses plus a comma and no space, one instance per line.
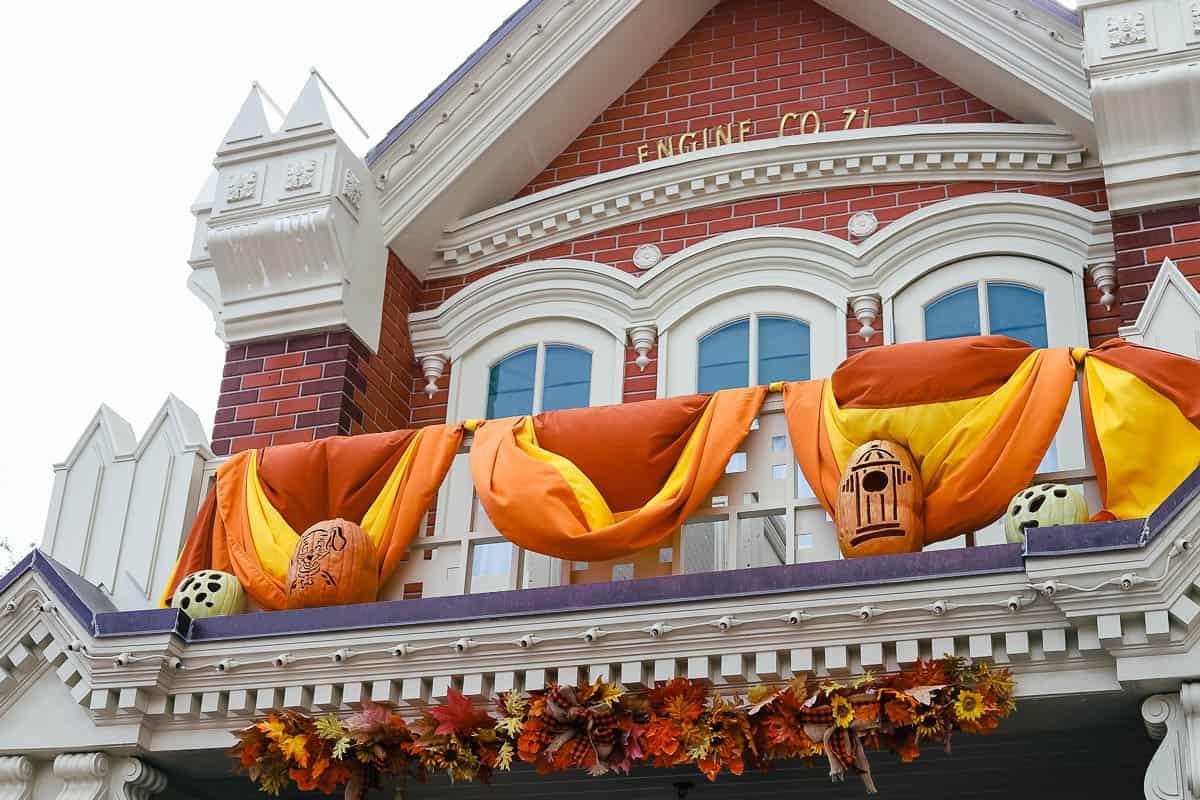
(121,510)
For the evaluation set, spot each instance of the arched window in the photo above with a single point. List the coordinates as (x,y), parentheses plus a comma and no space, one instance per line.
(1006,309)
(753,351)
(541,378)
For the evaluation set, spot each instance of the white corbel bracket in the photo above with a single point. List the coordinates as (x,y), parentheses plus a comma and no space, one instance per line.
(866,311)
(642,339)
(1105,277)
(433,366)
(1174,720)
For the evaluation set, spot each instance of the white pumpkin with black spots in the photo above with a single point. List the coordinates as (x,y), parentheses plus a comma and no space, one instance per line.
(209,593)
(1043,506)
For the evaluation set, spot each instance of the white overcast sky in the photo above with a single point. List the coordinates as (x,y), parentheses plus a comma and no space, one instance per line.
(113,112)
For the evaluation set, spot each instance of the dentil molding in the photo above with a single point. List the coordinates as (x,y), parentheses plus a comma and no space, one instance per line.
(874,156)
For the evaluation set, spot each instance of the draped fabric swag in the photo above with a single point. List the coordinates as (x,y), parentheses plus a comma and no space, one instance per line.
(977,414)
(263,499)
(593,484)
(1142,417)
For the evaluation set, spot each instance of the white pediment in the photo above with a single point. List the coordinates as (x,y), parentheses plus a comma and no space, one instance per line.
(1170,317)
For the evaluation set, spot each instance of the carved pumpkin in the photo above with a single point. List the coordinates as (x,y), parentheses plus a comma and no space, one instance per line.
(334,564)
(1042,506)
(881,502)
(209,593)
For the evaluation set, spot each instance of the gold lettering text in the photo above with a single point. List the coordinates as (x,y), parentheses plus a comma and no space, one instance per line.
(665,147)
(744,126)
(791,115)
(687,142)
(724,134)
(850,113)
(816,120)
(643,151)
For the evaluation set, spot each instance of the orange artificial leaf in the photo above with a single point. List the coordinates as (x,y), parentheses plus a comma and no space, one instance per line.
(866,712)
(273,727)
(458,716)
(295,748)
(898,712)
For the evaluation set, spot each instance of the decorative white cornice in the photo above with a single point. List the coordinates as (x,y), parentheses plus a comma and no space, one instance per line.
(826,266)
(1144,60)
(286,239)
(894,154)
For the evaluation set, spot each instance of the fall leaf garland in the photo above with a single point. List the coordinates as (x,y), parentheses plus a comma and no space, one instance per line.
(602,728)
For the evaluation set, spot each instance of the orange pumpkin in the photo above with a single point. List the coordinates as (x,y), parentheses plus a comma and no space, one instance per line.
(334,564)
(881,502)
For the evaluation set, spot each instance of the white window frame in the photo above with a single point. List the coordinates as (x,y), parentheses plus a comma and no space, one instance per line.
(1062,293)
(680,344)
(469,381)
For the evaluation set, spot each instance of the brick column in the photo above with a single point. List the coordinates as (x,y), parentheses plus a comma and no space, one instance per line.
(312,385)
(1142,242)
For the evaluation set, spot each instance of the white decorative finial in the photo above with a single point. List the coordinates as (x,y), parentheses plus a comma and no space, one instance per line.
(866,311)
(1105,277)
(642,338)
(432,367)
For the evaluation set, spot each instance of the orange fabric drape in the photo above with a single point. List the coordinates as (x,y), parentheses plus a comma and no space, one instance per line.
(306,483)
(1141,412)
(650,464)
(976,413)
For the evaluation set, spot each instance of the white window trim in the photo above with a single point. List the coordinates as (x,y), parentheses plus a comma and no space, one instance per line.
(1062,291)
(679,345)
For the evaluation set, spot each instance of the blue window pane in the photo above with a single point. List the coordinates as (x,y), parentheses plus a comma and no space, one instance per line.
(725,358)
(510,385)
(568,378)
(956,314)
(1017,312)
(782,350)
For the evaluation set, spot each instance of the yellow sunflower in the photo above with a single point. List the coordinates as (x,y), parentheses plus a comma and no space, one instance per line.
(928,726)
(969,706)
(843,712)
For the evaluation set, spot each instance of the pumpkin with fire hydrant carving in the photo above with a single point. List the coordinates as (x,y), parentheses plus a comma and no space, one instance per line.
(209,593)
(1043,506)
(881,502)
(334,564)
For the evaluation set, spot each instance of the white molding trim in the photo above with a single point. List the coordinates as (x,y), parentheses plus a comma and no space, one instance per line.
(1170,313)
(1171,719)
(877,156)
(489,134)
(833,269)
(1070,624)
(1011,54)
(121,506)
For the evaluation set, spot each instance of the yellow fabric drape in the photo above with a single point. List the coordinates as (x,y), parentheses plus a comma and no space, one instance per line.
(1143,443)
(973,452)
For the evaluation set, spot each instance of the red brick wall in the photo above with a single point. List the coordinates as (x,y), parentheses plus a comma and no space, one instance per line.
(1142,242)
(640,384)
(756,60)
(311,386)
